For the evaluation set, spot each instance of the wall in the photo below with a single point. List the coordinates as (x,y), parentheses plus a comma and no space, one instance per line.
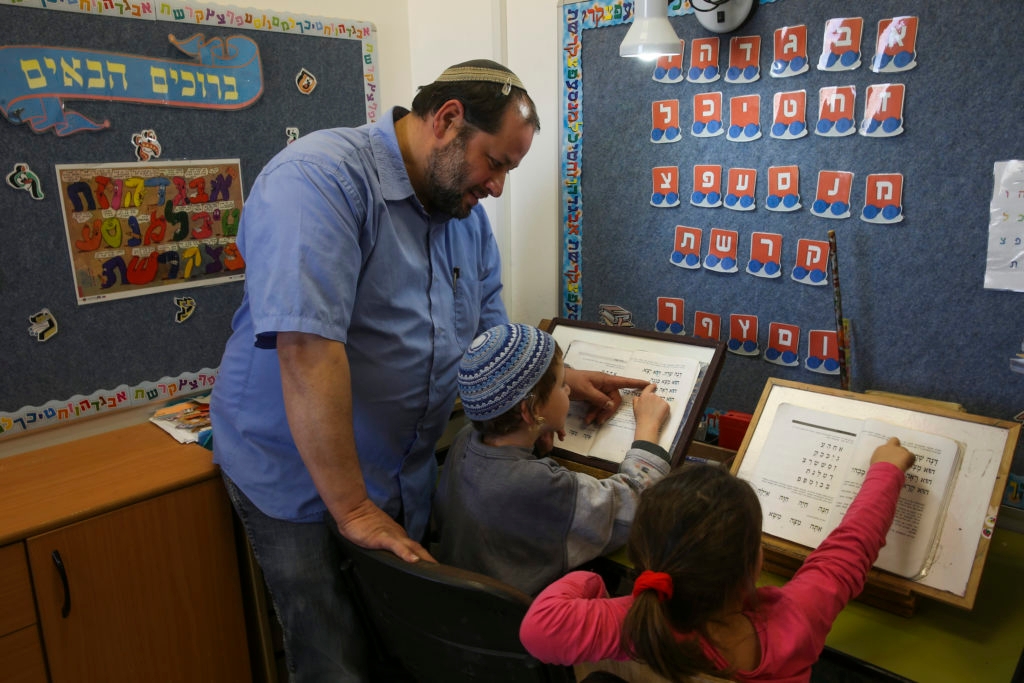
(522,34)
(417,41)
(533,30)
(390,18)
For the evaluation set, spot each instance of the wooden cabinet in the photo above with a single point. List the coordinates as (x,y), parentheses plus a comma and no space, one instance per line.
(21,655)
(144,592)
(119,571)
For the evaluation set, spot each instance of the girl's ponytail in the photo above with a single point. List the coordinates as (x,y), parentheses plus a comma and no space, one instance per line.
(696,539)
(652,640)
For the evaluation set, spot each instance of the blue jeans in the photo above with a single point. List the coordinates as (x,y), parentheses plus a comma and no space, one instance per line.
(324,638)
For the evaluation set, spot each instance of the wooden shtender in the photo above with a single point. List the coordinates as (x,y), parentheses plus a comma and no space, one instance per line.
(974,499)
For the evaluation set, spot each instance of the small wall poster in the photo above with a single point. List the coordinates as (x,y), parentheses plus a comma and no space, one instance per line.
(1005,265)
(142,228)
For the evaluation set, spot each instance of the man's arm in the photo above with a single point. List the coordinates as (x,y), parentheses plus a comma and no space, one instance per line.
(317,390)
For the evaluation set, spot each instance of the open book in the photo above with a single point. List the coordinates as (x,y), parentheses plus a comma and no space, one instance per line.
(813,463)
(676,377)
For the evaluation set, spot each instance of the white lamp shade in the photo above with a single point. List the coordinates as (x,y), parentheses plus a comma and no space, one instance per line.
(651,35)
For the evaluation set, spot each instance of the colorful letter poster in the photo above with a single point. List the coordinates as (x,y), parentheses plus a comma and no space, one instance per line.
(142,228)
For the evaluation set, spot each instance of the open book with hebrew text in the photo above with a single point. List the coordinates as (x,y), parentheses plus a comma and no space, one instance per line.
(813,464)
(675,377)
(683,368)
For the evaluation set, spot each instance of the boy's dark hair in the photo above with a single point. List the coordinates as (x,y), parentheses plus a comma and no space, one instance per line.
(512,419)
(701,526)
(484,102)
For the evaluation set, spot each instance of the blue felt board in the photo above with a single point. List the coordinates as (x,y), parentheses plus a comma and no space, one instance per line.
(102,345)
(922,323)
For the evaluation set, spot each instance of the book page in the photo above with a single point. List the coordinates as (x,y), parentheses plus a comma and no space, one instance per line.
(587,356)
(675,377)
(910,543)
(802,465)
(813,464)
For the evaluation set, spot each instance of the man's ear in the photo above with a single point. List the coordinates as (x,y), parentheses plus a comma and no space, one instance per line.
(449,116)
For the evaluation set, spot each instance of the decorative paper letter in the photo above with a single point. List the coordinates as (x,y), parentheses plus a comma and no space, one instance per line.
(783,188)
(811,262)
(833,196)
(703,61)
(707,186)
(743,335)
(686,250)
(670,315)
(790,51)
(840,51)
(765,255)
(744,59)
(666,186)
(722,248)
(783,344)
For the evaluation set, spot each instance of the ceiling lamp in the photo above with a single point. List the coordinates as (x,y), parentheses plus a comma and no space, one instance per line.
(651,35)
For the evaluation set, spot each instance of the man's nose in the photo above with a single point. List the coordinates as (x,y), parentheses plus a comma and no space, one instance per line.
(496,183)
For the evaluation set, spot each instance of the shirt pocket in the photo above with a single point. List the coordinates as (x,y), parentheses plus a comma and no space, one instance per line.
(467,308)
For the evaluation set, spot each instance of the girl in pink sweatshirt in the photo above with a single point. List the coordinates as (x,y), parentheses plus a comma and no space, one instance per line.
(696,541)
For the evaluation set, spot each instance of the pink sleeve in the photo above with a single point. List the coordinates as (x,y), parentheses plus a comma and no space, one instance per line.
(835,572)
(573,620)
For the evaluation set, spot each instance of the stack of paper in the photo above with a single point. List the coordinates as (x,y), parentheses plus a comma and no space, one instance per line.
(187,422)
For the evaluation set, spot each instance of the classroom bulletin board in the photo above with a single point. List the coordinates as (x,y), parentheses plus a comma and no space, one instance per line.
(130,134)
(697,196)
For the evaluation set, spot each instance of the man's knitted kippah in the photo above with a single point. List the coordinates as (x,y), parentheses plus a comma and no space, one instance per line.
(481,70)
(500,367)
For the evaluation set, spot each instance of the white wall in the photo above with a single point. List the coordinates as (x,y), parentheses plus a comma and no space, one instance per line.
(533,28)
(417,39)
(523,35)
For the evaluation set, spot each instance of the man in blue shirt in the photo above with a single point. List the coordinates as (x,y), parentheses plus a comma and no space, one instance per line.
(370,267)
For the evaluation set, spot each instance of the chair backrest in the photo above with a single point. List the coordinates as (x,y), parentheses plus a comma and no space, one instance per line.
(445,624)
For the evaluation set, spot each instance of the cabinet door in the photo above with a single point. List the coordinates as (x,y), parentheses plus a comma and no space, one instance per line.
(147,592)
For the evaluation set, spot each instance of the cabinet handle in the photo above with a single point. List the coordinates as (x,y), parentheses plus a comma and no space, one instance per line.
(65,609)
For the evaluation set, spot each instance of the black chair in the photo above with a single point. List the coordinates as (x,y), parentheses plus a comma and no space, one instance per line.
(444,624)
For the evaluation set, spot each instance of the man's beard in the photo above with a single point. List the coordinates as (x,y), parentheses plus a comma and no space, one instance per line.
(447,170)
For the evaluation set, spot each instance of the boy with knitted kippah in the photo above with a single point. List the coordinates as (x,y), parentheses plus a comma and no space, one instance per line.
(505,512)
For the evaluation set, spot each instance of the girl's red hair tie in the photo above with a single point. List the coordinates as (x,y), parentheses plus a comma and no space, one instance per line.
(659,582)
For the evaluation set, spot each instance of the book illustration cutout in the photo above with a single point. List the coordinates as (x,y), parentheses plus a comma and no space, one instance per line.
(676,378)
(813,463)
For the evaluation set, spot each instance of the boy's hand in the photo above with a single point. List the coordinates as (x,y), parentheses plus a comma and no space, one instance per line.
(650,411)
(893,452)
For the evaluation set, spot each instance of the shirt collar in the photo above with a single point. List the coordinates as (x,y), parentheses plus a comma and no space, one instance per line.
(394,178)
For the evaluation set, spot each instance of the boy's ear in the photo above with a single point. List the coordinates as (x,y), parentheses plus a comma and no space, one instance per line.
(524,412)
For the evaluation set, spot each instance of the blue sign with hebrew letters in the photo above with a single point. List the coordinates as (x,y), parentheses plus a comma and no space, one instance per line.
(35,81)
